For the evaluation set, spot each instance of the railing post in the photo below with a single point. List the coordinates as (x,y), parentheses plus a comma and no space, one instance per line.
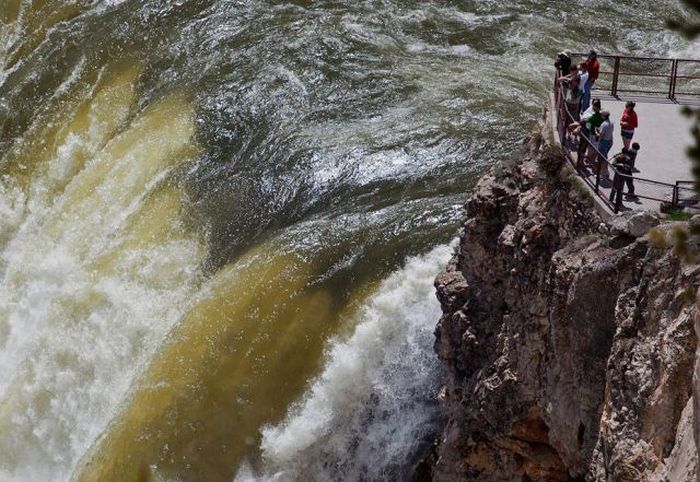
(672,81)
(616,76)
(597,174)
(675,196)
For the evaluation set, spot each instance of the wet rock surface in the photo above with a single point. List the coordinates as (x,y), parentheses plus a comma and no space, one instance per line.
(569,343)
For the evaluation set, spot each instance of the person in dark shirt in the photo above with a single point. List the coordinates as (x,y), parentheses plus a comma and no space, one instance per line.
(563,62)
(623,163)
(632,155)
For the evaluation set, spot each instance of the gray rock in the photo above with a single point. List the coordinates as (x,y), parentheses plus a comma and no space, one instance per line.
(635,224)
(566,355)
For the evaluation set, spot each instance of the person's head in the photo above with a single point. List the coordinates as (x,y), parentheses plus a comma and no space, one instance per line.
(596,105)
(625,151)
(573,69)
(635,146)
(605,115)
(583,67)
(630,105)
(592,55)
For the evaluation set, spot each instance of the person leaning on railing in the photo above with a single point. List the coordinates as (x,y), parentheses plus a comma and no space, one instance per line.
(572,92)
(587,127)
(604,134)
(563,62)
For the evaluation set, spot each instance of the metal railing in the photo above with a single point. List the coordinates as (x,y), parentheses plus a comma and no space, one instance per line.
(685,196)
(674,79)
(580,148)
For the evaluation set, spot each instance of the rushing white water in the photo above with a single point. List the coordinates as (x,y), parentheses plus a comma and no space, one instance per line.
(90,283)
(373,405)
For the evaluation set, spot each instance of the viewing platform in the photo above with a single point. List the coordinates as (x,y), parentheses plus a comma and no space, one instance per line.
(662,177)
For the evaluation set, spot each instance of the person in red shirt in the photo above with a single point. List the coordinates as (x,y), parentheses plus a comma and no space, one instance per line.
(593,66)
(628,123)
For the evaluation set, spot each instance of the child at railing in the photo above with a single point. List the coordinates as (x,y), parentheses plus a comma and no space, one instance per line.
(632,154)
(623,163)
(622,166)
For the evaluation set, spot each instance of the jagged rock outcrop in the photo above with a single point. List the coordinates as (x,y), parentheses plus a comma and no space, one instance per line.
(569,342)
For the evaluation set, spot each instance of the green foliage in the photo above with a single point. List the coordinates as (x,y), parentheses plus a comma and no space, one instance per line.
(657,238)
(683,246)
(691,29)
(678,216)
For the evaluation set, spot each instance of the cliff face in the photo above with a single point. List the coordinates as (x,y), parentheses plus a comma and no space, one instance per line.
(569,342)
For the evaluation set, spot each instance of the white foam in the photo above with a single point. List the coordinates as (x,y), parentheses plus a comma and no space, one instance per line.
(75,328)
(366,414)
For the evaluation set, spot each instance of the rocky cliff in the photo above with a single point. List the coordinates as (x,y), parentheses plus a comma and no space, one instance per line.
(569,341)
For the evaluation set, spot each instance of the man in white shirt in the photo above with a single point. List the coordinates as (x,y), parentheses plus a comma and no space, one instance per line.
(585,86)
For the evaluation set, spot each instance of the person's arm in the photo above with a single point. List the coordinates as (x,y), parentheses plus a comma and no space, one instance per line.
(616,158)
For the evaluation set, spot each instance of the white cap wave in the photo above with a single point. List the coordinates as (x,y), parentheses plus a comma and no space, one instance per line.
(371,411)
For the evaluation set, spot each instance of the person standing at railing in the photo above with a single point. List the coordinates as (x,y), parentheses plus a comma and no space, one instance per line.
(628,123)
(632,155)
(593,66)
(604,133)
(585,86)
(572,93)
(590,121)
(623,168)
(563,62)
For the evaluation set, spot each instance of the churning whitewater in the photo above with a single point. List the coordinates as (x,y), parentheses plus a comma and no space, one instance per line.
(373,407)
(220,222)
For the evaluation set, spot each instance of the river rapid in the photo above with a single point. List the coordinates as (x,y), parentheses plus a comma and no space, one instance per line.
(220,221)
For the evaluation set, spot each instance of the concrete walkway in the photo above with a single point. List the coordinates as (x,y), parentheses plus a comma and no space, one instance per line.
(663,134)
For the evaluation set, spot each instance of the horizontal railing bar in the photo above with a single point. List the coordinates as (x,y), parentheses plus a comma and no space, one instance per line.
(640,75)
(643,91)
(604,56)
